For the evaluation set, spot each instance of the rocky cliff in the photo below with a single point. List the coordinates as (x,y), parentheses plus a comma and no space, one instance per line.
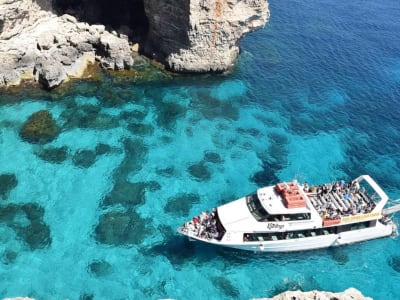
(51,41)
(200,35)
(35,43)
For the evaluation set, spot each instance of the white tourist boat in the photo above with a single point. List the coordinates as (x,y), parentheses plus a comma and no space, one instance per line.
(294,217)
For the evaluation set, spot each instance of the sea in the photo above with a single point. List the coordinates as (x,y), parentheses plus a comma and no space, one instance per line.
(93,213)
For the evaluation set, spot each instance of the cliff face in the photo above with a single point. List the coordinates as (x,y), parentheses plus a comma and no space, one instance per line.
(53,40)
(200,35)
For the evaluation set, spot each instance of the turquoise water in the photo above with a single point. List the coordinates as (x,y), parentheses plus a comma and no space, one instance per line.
(315,95)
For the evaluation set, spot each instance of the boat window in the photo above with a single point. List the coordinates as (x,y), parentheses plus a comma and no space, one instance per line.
(256,208)
(272,236)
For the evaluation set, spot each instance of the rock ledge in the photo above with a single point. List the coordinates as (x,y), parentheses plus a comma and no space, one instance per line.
(349,294)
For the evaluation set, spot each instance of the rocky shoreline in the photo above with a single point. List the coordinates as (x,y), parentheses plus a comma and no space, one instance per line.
(49,43)
(349,294)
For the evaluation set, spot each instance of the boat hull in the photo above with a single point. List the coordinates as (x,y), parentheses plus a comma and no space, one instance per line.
(306,243)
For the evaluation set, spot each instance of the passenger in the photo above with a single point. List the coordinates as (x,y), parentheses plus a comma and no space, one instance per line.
(356,186)
(342,184)
(305,187)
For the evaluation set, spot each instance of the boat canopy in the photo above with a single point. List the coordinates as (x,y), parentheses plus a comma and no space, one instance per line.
(236,216)
(274,205)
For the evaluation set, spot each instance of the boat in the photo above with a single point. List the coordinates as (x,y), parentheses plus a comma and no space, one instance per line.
(290,216)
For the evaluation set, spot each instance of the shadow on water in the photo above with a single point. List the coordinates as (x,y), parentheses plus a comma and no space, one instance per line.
(394,262)
(178,250)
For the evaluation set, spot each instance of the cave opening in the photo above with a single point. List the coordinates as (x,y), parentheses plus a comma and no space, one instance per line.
(124,16)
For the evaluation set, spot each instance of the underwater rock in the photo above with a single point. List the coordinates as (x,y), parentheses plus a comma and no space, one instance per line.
(86,296)
(153,186)
(55,155)
(98,121)
(199,171)
(39,128)
(133,116)
(121,228)
(141,129)
(212,157)
(167,172)
(34,212)
(100,268)
(102,149)
(90,109)
(394,263)
(84,158)
(211,108)
(126,193)
(37,234)
(8,181)
(181,204)
(9,257)
(135,155)
(168,114)
(226,287)
(265,176)
(8,212)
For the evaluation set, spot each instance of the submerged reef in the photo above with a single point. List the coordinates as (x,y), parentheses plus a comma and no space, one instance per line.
(55,155)
(27,222)
(40,128)
(121,228)
(8,181)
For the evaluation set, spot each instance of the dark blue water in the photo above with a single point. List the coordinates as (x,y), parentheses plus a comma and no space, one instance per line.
(92,213)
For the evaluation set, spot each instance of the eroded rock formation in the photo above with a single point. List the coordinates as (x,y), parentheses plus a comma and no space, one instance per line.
(51,41)
(349,294)
(201,35)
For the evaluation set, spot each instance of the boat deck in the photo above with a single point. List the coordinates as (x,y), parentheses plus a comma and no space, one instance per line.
(334,202)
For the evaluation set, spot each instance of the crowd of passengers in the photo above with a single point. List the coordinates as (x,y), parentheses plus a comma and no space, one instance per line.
(347,192)
(204,225)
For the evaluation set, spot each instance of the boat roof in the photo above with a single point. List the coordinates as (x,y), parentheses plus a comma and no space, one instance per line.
(236,215)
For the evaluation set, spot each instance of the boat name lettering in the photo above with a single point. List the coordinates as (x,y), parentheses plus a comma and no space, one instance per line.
(275,226)
(361,217)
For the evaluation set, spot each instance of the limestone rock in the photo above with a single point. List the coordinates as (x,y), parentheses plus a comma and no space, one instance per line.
(187,36)
(201,35)
(116,52)
(50,73)
(37,44)
(349,294)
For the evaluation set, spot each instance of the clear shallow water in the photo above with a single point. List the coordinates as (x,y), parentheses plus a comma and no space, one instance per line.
(315,95)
